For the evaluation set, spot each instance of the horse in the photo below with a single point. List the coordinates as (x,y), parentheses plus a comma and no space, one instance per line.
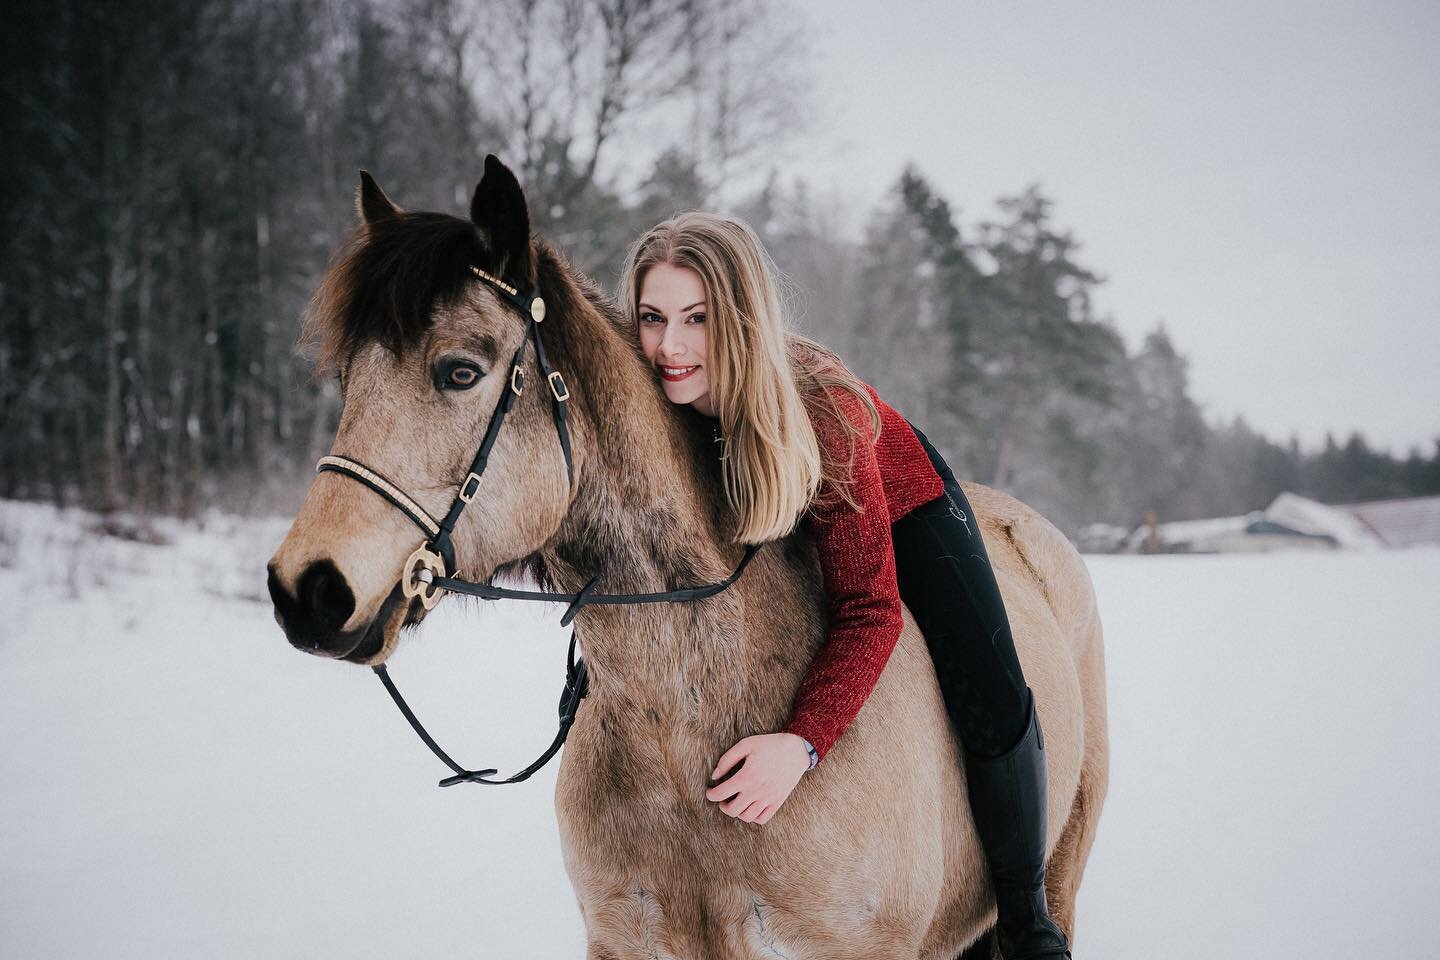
(875,853)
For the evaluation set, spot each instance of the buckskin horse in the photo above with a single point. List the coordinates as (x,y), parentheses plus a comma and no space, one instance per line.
(423,317)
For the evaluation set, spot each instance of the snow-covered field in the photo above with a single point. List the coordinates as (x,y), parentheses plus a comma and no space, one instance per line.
(176,781)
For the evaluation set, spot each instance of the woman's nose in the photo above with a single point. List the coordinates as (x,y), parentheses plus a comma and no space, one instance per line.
(672,344)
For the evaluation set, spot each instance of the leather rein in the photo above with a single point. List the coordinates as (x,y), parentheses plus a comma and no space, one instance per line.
(426,576)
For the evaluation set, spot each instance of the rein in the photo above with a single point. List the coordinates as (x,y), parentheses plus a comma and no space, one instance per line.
(425,575)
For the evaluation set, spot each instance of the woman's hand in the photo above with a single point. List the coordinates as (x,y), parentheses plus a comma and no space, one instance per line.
(774,763)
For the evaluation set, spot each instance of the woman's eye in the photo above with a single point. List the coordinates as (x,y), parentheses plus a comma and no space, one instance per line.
(697,317)
(651,318)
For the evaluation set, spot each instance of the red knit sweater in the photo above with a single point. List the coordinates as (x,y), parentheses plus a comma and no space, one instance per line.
(892,477)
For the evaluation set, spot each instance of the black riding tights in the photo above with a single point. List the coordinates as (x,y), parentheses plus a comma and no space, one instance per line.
(946,581)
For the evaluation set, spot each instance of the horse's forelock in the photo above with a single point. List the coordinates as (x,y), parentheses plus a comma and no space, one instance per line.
(387,281)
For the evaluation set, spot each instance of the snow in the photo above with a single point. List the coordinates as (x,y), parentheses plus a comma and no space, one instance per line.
(176,781)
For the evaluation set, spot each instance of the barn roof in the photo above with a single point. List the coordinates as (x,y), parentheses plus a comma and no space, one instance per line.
(1402,522)
(1372,524)
(1312,516)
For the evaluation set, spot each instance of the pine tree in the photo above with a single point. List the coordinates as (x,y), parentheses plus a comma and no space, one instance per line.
(1035,334)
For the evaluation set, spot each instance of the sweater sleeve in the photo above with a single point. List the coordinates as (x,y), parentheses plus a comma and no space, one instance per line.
(857,562)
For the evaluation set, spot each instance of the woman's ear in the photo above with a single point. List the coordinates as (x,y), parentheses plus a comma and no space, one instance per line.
(499,212)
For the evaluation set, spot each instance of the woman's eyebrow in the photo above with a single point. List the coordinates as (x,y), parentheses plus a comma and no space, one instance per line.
(697,303)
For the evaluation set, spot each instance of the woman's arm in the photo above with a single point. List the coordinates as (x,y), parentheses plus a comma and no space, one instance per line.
(857,562)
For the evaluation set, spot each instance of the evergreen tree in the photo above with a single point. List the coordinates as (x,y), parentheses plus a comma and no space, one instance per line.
(1036,337)
(902,337)
(1164,437)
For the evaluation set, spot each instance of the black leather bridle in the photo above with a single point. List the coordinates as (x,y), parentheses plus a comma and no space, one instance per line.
(426,575)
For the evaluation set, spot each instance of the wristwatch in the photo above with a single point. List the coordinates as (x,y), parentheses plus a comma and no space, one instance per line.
(814,757)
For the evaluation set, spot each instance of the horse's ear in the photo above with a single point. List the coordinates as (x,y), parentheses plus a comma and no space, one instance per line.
(370,201)
(498,210)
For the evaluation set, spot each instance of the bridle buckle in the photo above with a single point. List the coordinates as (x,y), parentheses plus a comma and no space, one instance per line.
(421,571)
(562,392)
(470,487)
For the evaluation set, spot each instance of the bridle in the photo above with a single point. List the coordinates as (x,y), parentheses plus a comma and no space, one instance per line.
(425,575)
(437,554)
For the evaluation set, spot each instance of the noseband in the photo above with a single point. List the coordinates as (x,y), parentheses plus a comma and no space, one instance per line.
(426,572)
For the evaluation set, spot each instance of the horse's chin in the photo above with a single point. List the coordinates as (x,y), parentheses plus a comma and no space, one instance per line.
(381,637)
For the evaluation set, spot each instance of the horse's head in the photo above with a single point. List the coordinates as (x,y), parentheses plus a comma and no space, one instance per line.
(422,346)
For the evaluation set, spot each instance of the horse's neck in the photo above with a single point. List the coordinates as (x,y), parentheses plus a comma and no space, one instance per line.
(641,521)
(645,519)
(648,517)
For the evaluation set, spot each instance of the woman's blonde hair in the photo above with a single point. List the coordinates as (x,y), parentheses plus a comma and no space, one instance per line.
(771,387)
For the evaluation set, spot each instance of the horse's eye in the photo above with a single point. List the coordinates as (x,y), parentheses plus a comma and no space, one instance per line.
(463,377)
(458,376)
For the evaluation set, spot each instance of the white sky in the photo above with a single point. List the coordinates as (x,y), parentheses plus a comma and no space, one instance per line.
(1264,178)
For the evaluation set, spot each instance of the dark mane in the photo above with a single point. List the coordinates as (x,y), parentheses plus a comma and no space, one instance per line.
(387,279)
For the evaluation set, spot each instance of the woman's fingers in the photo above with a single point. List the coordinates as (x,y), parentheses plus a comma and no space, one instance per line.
(752,810)
(728,788)
(749,808)
(729,758)
(735,804)
(742,803)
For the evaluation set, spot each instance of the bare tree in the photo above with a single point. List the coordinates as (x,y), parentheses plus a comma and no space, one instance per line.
(177,174)
(573,77)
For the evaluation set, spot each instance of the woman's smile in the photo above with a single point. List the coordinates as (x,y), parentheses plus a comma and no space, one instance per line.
(674,374)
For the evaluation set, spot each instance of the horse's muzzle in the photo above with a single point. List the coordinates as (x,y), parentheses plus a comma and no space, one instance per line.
(314,616)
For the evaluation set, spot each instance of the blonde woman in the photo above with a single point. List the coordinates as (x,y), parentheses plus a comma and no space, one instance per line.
(804,440)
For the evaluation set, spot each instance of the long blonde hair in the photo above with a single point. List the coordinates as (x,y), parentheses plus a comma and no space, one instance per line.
(770,387)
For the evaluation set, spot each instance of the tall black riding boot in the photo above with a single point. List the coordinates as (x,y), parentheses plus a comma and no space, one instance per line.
(1007,798)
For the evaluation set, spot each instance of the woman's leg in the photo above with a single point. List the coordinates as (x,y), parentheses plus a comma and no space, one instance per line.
(946,581)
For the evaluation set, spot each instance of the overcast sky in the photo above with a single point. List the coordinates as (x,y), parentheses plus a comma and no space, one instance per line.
(1264,178)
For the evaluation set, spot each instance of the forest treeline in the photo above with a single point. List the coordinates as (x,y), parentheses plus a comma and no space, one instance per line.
(176,176)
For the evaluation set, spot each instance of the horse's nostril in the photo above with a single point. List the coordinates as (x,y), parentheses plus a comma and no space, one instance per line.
(280,597)
(278,593)
(325,597)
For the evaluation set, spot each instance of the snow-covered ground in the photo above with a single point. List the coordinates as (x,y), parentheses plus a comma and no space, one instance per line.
(176,781)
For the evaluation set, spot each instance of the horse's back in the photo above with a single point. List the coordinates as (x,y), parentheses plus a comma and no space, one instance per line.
(1051,605)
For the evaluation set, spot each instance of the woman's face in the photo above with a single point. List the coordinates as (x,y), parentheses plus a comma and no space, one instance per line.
(672,333)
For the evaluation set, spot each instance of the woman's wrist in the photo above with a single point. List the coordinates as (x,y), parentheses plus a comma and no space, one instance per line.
(807,750)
